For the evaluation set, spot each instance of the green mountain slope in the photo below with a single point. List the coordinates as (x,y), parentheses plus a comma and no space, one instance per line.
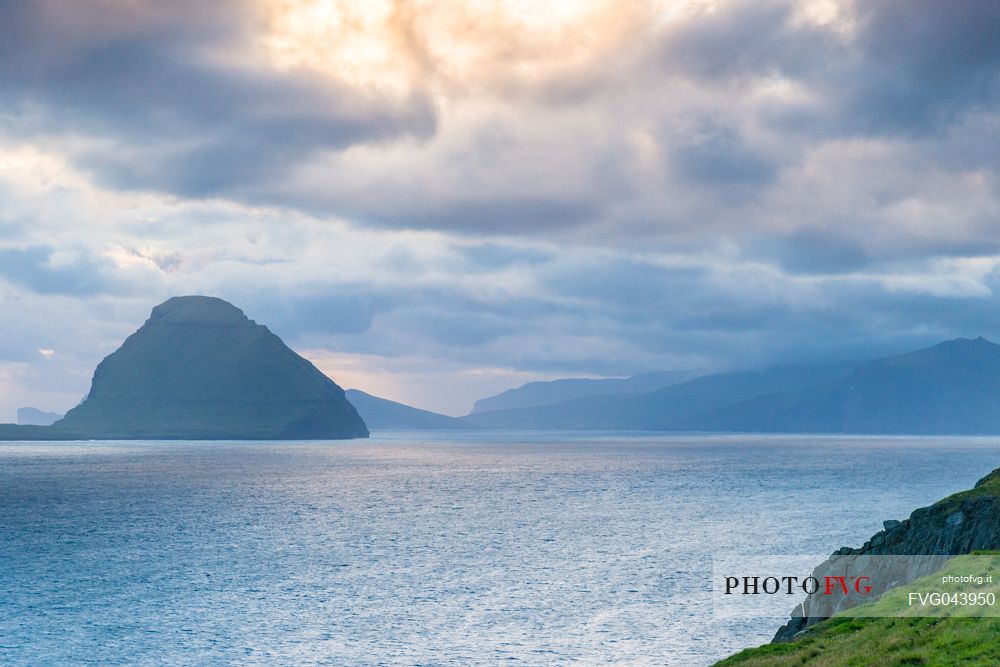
(884,642)
(199,368)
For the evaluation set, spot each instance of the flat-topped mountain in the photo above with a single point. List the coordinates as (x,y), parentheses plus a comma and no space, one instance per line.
(200,369)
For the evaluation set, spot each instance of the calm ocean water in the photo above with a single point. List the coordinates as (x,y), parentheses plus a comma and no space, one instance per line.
(417,549)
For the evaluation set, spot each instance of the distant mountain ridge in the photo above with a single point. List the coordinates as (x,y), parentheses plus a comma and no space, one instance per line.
(198,368)
(673,408)
(949,388)
(381,414)
(557,391)
(36,417)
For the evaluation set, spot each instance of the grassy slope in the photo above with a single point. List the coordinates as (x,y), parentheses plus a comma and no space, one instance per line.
(884,642)
(881,642)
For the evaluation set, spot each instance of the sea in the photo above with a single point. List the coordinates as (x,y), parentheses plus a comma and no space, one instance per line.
(462,548)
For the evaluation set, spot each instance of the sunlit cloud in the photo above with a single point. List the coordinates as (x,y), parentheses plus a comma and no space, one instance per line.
(458,48)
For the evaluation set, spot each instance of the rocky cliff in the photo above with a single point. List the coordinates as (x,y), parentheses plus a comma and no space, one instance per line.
(959,524)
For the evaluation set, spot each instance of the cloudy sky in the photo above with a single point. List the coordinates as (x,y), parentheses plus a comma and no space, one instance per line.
(438,200)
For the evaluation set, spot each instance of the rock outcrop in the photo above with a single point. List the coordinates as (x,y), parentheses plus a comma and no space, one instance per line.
(959,524)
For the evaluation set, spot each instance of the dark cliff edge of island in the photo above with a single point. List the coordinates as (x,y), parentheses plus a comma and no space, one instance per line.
(964,523)
(199,369)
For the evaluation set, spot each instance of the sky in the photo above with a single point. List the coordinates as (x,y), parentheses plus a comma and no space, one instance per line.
(437,201)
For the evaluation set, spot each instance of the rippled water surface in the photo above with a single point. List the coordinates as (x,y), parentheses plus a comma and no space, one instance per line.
(427,549)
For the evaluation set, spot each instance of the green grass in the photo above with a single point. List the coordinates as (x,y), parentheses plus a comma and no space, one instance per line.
(895,603)
(987,486)
(883,642)
(848,641)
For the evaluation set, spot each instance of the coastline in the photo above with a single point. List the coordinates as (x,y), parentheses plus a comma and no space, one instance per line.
(966,522)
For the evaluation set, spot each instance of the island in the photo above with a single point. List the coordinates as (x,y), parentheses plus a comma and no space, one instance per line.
(200,369)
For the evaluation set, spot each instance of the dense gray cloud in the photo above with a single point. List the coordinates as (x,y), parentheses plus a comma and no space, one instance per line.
(33,267)
(924,63)
(903,67)
(486,217)
(717,156)
(489,256)
(181,121)
(812,250)
(728,187)
(345,309)
(746,40)
(172,114)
